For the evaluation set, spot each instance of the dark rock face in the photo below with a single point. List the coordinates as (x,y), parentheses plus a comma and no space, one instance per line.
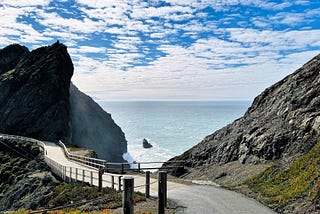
(10,56)
(283,122)
(35,102)
(93,128)
(34,98)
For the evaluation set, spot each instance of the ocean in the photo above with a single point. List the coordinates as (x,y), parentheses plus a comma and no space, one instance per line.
(171,127)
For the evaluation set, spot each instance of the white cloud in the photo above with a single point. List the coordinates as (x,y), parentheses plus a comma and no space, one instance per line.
(55,21)
(172,51)
(90,49)
(291,19)
(168,12)
(25,3)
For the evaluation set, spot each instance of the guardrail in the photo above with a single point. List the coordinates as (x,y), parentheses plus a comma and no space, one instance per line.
(125,166)
(73,174)
(93,162)
(142,166)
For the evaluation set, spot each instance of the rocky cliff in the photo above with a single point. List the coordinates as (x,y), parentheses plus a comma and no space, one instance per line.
(93,128)
(34,98)
(35,101)
(282,122)
(272,152)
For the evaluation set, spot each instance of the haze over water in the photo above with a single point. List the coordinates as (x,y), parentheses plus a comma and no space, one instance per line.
(171,127)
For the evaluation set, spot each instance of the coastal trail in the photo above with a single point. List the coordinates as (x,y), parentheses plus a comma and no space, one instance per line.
(207,199)
(203,199)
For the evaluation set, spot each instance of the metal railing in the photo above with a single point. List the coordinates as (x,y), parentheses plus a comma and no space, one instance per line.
(73,174)
(125,166)
(143,166)
(88,161)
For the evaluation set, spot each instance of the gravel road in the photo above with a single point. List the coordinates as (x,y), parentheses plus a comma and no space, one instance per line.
(206,199)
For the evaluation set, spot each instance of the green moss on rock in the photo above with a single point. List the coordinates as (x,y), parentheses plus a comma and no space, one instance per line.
(277,188)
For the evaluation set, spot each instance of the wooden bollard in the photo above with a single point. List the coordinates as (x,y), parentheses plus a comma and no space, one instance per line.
(162,191)
(127,195)
(147,184)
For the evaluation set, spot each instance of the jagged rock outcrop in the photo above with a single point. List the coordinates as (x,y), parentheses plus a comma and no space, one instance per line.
(282,123)
(93,128)
(35,101)
(34,98)
(10,56)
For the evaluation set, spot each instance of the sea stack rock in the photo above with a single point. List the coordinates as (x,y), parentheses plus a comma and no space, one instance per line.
(146,144)
(35,101)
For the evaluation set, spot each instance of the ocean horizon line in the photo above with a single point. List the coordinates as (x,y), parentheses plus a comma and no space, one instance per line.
(171,100)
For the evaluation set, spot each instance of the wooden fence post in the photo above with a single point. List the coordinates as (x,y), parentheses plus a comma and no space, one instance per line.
(127,195)
(162,191)
(101,171)
(112,182)
(91,178)
(119,183)
(70,174)
(64,173)
(147,184)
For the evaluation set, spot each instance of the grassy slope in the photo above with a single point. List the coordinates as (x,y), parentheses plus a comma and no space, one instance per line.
(278,188)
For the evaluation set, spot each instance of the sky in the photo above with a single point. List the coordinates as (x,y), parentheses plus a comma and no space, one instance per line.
(170,49)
